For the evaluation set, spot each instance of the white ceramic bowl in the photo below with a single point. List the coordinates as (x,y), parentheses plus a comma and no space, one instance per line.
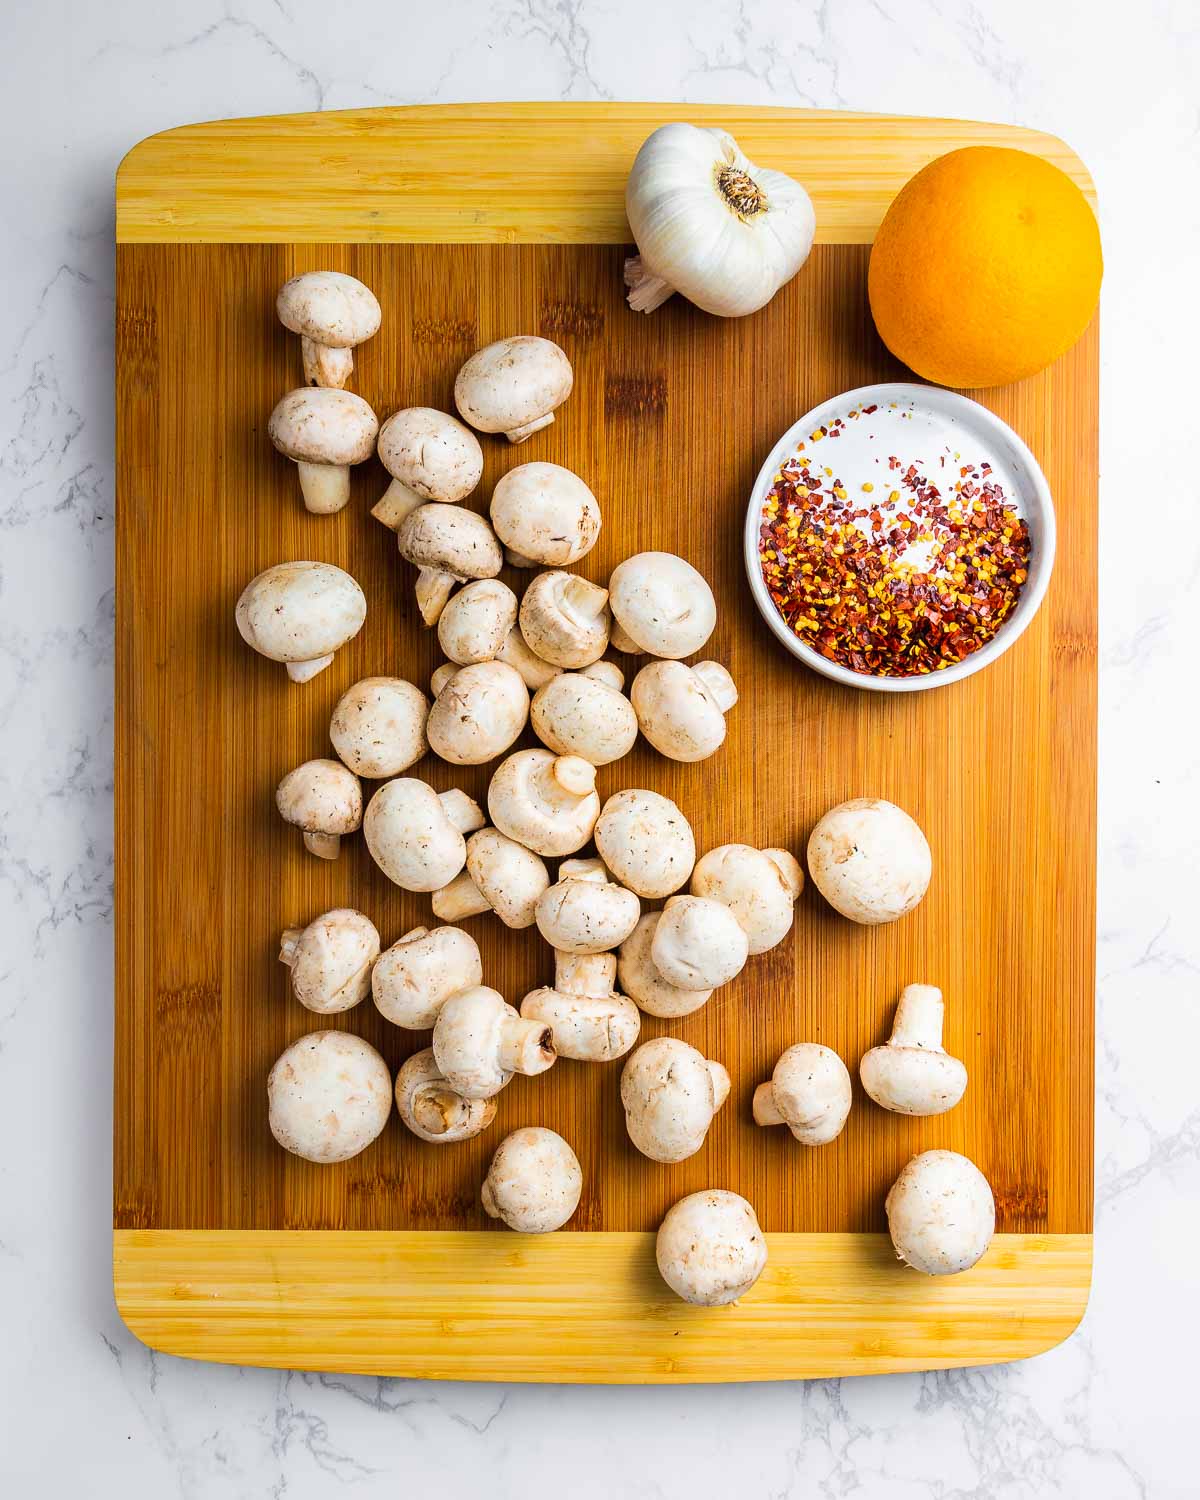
(985,438)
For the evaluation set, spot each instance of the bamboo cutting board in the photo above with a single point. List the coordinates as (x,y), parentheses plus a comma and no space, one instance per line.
(470,224)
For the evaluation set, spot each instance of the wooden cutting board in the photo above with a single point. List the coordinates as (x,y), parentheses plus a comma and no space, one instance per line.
(470,224)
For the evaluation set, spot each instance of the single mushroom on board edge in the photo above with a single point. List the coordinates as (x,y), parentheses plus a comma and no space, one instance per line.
(513,386)
(586,713)
(414,978)
(331,960)
(478,713)
(545,515)
(477,621)
(671,1093)
(698,944)
(501,876)
(299,613)
(329,1096)
(588,1020)
(324,800)
(431,1109)
(912,1073)
(585,911)
(646,842)
(564,619)
(642,982)
(546,802)
(941,1213)
(479,1042)
(534,1181)
(759,886)
(415,834)
(710,1248)
(869,860)
(323,432)
(378,726)
(333,313)
(809,1092)
(681,710)
(660,605)
(447,545)
(430,456)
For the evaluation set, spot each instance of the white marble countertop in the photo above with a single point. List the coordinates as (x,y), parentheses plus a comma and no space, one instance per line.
(83,1407)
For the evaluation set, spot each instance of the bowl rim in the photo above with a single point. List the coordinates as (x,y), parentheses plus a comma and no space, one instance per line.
(1037,503)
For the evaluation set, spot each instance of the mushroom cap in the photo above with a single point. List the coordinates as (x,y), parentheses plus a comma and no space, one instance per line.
(677,711)
(329,1095)
(759,886)
(322,425)
(432,453)
(811,1089)
(941,1213)
(544,801)
(869,860)
(511,877)
(588,915)
(410,836)
(564,619)
(586,1028)
(646,842)
(329,307)
(534,1181)
(546,513)
(300,611)
(432,1110)
(710,1248)
(321,796)
(643,983)
(662,603)
(478,714)
(671,1093)
(476,622)
(450,539)
(577,714)
(331,960)
(698,944)
(378,726)
(912,1074)
(512,382)
(415,977)
(468,1041)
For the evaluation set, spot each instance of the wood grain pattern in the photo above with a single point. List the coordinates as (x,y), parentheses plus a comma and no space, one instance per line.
(507,172)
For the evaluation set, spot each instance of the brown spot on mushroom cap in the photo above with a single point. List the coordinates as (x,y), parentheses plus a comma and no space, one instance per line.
(323,425)
(329,307)
(545,513)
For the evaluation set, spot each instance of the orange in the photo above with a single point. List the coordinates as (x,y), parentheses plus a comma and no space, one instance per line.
(986,267)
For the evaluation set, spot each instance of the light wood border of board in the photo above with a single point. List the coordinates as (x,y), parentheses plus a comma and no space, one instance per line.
(514,173)
(465,1305)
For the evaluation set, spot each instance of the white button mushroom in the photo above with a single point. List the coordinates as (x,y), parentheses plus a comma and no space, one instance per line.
(585,713)
(378,726)
(698,944)
(642,982)
(513,386)
(544,514)
(299,613)
(324,800)
(415,977)
(941,1213)
(913,1074)
(662,605)
(681,710)
(546,802)
(323,432)
(447,545)
(332,313)
(671,1093)
(588,1020)
(329,1095)
(710,1248)
(809,1092)
(759,886)
(646,842)
(534,1181)
(477,622)
(586,911)
(501,876)
(535,673)
(331,960)
(415,834)
(479,1042)
(478,713)
(432,1110)
(430,456)
(565,619)
(869,860)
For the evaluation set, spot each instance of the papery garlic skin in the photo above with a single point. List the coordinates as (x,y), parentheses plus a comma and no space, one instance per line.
(711,225)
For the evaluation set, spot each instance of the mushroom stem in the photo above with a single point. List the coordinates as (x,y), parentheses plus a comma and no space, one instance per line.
(397,501)
(574,775)
(323,845)
(515,652)
(718,683)
(463,811)
(288,940)
(620,640)
(763,1108)
(440,1110)
(325,487)
(326,366)
(442,677)
(305,671)
(525,1046)
(433,590)
(646,291)
(519,434)
(584,973)
(518,559)
(919,1018)
(461,898)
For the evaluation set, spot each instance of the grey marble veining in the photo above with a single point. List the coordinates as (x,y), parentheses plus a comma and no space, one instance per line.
(84,1409)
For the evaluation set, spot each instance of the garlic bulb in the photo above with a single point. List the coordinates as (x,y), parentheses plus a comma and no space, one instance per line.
(711,225)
